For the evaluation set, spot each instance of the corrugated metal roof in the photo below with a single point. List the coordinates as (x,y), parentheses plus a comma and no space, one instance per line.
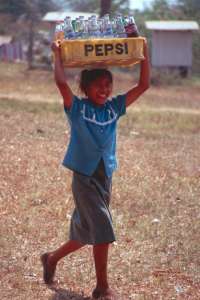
(60,16)
(172,25)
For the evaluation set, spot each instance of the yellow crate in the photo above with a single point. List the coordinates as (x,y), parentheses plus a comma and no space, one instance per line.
(102,52)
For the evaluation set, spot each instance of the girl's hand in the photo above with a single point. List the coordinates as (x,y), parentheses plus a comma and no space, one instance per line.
(55,47)
(145,49)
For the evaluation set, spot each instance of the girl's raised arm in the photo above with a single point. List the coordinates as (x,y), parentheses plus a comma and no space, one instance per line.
(59,76)
(143,84)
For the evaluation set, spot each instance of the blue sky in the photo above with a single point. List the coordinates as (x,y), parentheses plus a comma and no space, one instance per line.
(140,4)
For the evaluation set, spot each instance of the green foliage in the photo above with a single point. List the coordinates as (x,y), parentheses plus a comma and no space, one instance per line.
(190,9)
(160,10)
(120,6)
(25,7)
(84,6)
(13,7)
(46,5)
(94,6)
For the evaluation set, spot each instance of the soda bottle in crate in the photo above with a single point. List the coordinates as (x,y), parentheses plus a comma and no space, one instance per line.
(94,28)
(120,31)
(86,29)
(101,26)
(107,27)
(59,31)
(130,27)
(79,27)
(74,24)
(69,32)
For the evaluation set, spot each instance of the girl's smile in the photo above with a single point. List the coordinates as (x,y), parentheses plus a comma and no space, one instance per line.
(99,90)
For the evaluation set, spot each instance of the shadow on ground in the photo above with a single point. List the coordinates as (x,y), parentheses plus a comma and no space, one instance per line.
(62,294)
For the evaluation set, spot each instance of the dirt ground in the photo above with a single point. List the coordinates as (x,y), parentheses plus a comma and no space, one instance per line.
(155,199)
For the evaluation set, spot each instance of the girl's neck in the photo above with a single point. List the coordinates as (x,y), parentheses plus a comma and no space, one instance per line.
(95,103)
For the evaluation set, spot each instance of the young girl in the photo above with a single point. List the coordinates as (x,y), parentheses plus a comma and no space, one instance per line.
(91,157)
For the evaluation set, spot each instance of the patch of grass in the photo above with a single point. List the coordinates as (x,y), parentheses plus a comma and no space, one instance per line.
(149,121)
(167,77)
(29,106)
(155,122)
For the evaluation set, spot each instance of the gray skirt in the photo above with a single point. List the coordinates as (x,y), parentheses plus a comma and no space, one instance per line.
(91,221)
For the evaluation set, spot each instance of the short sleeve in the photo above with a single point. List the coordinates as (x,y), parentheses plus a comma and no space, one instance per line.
(118,103)
(74,109)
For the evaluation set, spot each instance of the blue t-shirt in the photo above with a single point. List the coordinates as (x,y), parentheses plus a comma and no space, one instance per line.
(93,134)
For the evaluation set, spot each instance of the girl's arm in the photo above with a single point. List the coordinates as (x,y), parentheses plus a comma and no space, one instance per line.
(143,84)
(59,76)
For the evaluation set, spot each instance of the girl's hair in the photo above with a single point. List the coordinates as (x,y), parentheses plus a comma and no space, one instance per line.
(88,76)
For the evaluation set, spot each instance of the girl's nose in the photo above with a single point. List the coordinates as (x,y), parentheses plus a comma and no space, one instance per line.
(103,88)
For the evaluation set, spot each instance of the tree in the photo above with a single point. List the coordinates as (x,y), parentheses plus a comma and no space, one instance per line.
(160,10)
(114,6)
(101,7)
(33,12)
(120,5)
(30,13)
(18,8)
(190,10)
(92,6)
(105,7)
(12,7)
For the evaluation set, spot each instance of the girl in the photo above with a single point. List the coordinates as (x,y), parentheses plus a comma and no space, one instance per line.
(91,157)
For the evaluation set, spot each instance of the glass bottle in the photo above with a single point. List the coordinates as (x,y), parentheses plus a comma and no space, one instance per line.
(59,31)
(68,29)
(94,27)
(119,25)
(130,27)
(107,27)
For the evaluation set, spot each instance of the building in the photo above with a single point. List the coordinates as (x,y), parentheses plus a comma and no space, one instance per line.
(172,43)
(11,50)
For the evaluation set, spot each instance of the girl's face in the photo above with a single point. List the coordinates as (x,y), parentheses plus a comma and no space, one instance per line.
(99,90)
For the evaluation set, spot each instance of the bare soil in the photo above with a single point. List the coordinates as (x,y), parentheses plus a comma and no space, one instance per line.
(155,198)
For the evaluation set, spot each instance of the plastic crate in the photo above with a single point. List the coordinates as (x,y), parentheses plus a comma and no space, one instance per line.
(102,52)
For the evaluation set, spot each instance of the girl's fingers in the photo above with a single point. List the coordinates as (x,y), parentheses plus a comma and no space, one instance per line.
(55,46)
(145,48)
(145,44)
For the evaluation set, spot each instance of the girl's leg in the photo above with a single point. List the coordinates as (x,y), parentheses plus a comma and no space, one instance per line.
(102,289)
(100,253)
(65,249)
(49,260)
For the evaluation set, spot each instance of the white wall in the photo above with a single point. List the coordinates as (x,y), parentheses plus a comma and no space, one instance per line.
(171,48)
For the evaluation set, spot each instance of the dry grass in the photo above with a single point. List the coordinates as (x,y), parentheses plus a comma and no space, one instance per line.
(155,202)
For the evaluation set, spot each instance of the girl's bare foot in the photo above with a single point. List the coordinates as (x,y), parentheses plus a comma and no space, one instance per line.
(103,294)
(48,269)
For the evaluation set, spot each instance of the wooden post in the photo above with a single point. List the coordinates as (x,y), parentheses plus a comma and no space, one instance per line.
(31,43)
